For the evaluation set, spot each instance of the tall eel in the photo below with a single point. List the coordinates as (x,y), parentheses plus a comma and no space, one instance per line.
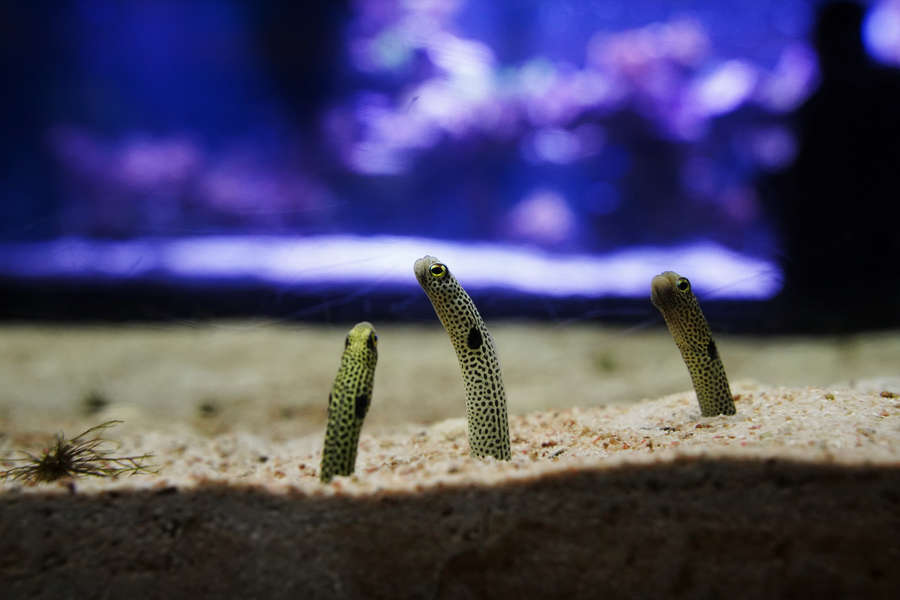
(349,401)
(486,415)
(671,294)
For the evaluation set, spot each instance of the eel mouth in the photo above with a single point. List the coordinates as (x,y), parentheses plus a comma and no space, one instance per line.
(420,268)
(662,290)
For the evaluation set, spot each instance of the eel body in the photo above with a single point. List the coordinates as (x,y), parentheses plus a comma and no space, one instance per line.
(672,295)
(486,413)
(349,401)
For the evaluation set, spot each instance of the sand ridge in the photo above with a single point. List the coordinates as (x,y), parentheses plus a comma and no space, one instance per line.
(834,425)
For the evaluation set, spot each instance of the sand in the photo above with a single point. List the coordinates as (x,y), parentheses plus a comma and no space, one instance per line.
(616,486)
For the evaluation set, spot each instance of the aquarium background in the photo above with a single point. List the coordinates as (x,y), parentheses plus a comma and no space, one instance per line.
(164,159)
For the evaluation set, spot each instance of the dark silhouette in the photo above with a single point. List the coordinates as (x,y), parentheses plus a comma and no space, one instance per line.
(836,204)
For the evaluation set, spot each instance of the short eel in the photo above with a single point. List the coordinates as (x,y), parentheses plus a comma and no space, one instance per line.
(486,414)
(349,401)
(671,294)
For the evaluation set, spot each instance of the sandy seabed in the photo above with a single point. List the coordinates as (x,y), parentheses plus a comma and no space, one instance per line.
(616,486)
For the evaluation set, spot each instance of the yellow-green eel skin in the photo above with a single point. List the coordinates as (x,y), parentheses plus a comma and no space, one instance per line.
(486,414)
(671,294)
(349,401)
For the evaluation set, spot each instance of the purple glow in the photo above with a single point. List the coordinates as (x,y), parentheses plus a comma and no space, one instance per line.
(682,41)
(468,61)
(388,261)
(555,145)
(376,159)
(740,203)
(724,89)
(146,184)
(774,148)
(666,70)
(151,163)
(544,217)
(793,80)
(592,89)
(881,31)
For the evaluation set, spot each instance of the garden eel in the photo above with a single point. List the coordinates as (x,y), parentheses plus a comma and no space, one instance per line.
(486,417)
(349,401)
(671,294)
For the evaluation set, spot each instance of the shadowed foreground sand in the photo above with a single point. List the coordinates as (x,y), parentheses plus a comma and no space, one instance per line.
(796,495)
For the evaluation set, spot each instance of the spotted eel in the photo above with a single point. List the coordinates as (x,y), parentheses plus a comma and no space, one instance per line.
(349,401)
(671,294)
(486,416)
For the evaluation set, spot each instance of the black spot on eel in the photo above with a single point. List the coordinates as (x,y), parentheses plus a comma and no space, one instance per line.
(672,295)
(486,414)
(349,401)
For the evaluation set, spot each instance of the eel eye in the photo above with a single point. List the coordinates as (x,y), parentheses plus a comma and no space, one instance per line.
(683,284)
(438,270)
(372,341)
